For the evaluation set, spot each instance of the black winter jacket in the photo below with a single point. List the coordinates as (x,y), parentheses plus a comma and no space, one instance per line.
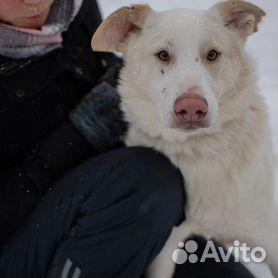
(37,142)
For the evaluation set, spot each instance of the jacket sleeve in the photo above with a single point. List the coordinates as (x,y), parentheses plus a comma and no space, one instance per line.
(99,118)
(95,125)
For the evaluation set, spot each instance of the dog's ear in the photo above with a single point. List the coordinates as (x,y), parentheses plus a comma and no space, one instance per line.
(240,15)
(113,31)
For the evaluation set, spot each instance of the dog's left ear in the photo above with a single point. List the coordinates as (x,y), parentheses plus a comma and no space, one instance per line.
(243,16)
(113,31)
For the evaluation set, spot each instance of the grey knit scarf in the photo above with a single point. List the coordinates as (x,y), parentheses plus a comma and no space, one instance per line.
(20,43)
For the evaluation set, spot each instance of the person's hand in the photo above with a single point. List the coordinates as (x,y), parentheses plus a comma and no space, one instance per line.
(98,117)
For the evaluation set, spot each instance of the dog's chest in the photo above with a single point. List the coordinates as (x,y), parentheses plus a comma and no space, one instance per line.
(215,193)
(209,183)
(217,197)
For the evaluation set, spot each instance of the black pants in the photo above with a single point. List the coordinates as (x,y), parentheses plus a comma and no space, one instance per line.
(107,218)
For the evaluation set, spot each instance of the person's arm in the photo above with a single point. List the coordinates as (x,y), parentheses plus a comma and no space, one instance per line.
(95,125)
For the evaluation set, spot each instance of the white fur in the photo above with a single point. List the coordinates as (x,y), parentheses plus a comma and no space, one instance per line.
(228,166)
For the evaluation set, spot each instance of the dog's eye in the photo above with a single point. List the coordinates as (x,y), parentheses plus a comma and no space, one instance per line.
(163,56)
(212,55)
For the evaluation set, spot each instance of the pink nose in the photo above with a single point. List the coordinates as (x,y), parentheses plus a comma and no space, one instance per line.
(191,108)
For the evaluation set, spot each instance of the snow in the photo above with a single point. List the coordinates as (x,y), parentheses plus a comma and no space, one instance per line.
(262,45)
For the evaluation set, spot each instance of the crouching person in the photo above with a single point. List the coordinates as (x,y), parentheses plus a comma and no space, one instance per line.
(73,201)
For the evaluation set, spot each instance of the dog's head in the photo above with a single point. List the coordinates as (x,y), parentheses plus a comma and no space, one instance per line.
(184,69)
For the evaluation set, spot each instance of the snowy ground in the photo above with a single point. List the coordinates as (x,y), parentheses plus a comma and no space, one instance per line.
(262,45)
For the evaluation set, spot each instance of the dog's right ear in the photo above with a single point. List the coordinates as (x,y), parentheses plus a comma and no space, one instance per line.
(113,31)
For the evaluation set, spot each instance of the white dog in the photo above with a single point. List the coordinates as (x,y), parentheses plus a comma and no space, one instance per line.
(189,90)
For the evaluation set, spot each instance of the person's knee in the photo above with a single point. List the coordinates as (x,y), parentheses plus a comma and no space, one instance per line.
(159,186)
(142,186)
